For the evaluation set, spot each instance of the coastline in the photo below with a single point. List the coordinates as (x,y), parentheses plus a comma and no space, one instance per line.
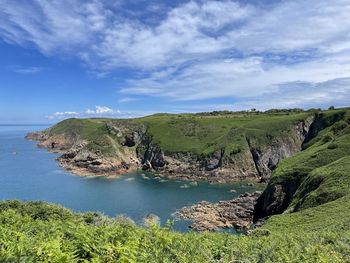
(204,216)
(93,164)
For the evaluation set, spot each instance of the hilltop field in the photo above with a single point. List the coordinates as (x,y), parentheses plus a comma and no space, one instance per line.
(305,205)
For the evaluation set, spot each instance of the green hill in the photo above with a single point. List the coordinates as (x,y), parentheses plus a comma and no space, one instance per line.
(306,202)
(220,147)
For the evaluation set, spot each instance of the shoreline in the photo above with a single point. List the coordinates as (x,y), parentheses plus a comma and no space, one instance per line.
(110,168)
(204,216)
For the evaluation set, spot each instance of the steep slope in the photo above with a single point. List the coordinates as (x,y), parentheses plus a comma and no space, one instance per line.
(222,147)
(318,174)
(39,232)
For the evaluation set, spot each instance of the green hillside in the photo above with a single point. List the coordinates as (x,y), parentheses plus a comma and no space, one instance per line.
(189,133)
(38,232)
(205,134)
(318,174)
(307,200)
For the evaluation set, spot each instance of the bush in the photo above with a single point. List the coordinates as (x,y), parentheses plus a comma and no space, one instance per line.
(339,126)
(332,146)
(327,138)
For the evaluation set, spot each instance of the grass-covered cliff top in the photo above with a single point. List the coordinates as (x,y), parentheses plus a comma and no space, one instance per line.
(194,133)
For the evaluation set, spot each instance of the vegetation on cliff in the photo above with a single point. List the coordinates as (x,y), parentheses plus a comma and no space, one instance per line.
(193,133)
(318,174)
(221,146)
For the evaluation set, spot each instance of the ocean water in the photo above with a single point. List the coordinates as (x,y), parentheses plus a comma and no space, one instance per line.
(30,173)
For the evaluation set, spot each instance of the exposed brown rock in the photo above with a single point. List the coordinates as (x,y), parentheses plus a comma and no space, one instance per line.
(236,213)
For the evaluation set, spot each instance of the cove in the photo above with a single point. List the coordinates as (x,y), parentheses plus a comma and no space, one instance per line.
(31,173)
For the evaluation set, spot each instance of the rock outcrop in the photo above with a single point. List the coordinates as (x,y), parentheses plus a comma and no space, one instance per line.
(236,213)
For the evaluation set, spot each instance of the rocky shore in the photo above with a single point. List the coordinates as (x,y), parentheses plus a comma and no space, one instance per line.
(236,213)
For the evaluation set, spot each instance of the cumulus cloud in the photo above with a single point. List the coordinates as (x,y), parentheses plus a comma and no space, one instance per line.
(195,50)
(101,110)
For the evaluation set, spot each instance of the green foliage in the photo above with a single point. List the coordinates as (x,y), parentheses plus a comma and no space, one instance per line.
(26,237)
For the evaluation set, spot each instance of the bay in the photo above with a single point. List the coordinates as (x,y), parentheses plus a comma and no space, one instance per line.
(30,173)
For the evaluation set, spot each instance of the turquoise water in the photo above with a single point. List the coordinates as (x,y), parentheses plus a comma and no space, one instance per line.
(31,173)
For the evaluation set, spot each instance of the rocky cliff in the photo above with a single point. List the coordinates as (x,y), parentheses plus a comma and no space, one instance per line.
(301,177)
(110,147)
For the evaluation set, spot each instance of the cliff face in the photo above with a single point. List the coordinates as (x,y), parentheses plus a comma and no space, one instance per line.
(114,147)
(295,180)
(251,161)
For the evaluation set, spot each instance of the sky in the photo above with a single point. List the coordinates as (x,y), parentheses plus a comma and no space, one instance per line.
(123,59)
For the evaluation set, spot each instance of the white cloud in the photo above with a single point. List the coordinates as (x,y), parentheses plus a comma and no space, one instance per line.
(62,115)
(27,70)
(127,99)
(290,95)
(65,113)
(199,49)
(236,78)
(101,110)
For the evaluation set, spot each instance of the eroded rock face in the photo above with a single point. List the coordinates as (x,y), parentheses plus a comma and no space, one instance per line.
(276,197)
(268,157)
(236,213)
(137,149)
(280,191)
(36,136)
(251,161)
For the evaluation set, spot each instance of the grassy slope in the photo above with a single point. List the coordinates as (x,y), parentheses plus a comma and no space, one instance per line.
(92,130)
(206,134)
(37,232)
(197,134)
(323,168)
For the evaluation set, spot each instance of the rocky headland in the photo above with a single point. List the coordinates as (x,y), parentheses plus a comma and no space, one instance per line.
(113,147)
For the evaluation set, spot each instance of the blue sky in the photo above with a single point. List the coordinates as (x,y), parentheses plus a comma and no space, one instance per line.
(75,58)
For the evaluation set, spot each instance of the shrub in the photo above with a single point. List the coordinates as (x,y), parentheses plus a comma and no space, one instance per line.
(332,146)
(339,126)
